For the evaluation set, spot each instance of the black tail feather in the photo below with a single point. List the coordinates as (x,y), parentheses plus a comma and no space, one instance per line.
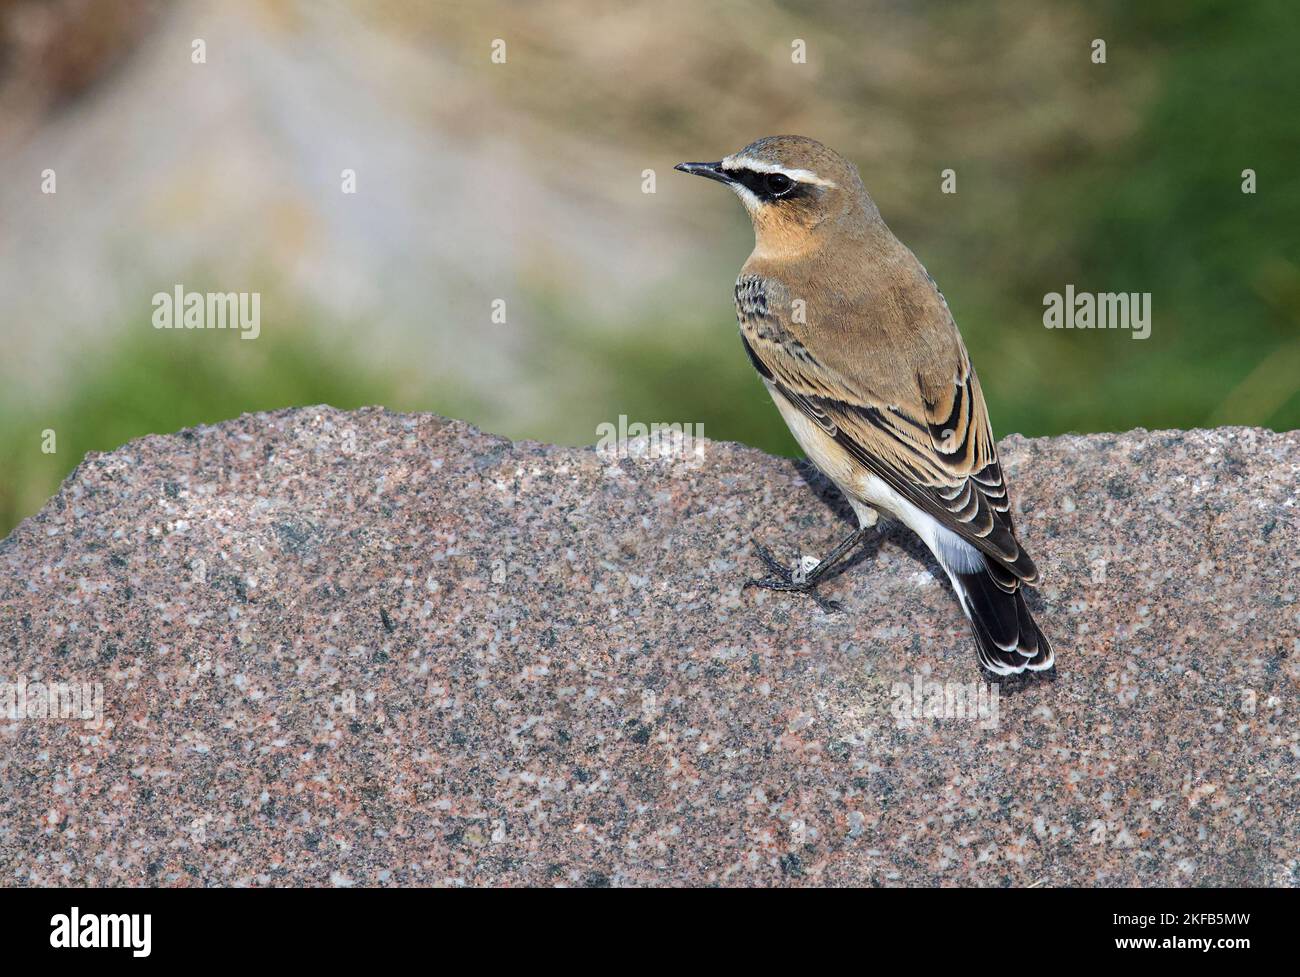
(1007,637)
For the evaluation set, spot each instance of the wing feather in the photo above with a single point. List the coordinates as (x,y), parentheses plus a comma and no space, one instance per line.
(935,449)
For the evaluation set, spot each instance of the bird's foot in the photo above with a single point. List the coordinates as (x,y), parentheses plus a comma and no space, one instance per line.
(802,578)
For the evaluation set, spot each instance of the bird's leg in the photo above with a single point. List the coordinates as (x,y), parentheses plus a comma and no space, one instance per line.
(801,578)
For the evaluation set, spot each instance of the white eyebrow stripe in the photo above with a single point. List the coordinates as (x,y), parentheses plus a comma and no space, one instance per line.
(760,166)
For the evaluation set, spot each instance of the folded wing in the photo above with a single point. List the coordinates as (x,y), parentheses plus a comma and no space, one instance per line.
(935,448)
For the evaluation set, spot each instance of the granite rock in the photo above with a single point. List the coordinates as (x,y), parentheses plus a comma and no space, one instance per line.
(367,648)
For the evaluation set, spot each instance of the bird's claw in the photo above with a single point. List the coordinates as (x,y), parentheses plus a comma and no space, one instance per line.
(802,578)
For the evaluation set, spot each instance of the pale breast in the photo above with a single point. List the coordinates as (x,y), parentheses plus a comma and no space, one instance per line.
(864,490)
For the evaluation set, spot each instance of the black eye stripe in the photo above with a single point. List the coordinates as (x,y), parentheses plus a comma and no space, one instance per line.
(756,183)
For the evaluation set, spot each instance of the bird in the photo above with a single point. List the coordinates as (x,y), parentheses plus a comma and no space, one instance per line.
(861,355)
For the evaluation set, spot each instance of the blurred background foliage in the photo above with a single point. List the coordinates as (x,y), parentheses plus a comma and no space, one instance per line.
(523,181)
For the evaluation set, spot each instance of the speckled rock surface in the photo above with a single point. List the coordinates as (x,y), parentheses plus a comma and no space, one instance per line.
(366,648)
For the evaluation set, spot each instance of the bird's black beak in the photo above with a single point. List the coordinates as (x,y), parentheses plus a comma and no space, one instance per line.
(711,171)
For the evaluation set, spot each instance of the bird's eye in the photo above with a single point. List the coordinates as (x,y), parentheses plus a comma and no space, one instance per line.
(778,183)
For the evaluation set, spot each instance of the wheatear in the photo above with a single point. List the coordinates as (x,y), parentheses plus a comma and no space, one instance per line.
(857,347)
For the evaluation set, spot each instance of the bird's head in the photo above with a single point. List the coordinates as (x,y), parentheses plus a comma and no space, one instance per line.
(794,188)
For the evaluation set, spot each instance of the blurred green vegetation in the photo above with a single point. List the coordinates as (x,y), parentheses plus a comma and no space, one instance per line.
(1164,212)
(164,380)
(668,364)
(1158,208)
